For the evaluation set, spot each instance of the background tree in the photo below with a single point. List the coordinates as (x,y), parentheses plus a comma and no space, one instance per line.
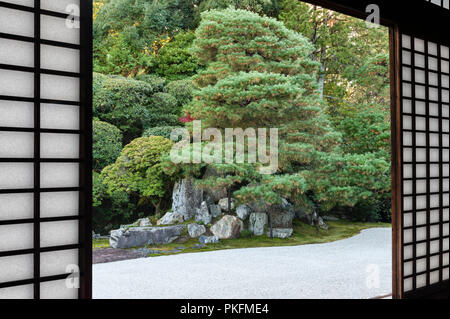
(138,171)
(106,145)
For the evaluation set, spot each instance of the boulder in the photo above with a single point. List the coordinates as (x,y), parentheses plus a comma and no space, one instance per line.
(281,232)
(258,206)
(144,222)
(322,224)
(281,217)
(215,193)
(243,212)
(257,223)
(223,203)
(209,239)
(215,210)
(196,230)
(170,219)
(186,198)
(228,227)
(202,214)
(141,236)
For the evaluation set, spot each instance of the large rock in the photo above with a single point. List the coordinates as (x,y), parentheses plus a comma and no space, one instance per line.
(141,236)
(209,239)
(215,193)
(186,198)
(243,212)
(142,222)
(281,232)
(282,216)
(257,223)
(322,223)
(170,219)
(215,210)
(223,203)
(202,214)
(196,230)
(228,227)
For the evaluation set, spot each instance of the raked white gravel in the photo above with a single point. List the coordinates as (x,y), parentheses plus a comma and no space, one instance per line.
(358,267)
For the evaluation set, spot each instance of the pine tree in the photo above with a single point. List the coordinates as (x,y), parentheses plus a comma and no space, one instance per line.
(259,74)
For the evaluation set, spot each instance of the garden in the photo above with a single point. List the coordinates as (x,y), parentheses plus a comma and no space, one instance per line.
(321,78)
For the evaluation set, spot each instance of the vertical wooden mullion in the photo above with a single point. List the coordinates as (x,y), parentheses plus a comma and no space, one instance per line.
(441,171)
(37,146)
(85,177)
(428,177)
(397,155)
(414,161)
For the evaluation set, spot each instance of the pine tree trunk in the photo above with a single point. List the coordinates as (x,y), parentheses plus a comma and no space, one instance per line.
(229,200)
(322,79)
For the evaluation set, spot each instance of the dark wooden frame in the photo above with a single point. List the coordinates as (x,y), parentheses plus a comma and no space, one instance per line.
(84,217)
(421,19)
(416,17)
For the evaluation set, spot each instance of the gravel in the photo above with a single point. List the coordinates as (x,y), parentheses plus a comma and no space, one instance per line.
(354,268)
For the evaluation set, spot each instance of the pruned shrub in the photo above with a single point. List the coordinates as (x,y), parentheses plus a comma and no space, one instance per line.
(107,144)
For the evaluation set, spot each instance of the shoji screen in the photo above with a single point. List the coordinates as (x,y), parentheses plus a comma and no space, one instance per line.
(425,161)
(45,132)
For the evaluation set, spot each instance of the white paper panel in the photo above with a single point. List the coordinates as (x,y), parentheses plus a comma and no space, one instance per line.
(16,22)
(20,292)
(16,145)
(60,116)
(60,145)
(61,59)
(16,175)
(16,114)
(421,218)
(59,233)
(16,206)
(16,52)
(421,250)
(15,237)
(59,5)
(407,220)
(57,290)
(60,88)
(58,262)
(59,204)
(16,83)
(55,29)
(28,3)
(421,281)
(55,175)
(15,268)
(408,284)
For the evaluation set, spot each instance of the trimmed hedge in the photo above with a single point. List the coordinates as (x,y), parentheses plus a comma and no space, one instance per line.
(107,144)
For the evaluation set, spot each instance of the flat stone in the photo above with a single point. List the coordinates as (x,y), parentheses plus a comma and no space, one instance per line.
(281,233)
(209,239)
(141,236)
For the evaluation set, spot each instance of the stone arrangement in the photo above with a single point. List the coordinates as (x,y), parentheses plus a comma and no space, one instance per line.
(204,215)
